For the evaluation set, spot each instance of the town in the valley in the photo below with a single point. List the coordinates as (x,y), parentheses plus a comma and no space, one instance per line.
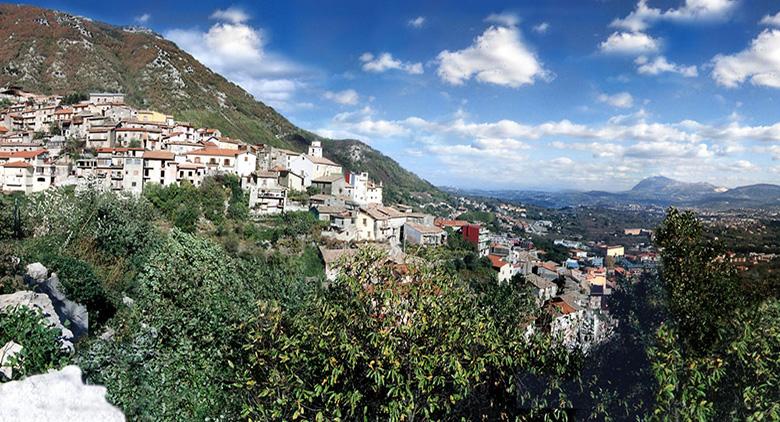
(100,142)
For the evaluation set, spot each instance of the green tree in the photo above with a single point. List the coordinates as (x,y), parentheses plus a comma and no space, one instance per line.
(379,344)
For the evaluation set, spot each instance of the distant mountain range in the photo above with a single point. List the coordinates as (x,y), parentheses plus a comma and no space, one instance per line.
(653,191)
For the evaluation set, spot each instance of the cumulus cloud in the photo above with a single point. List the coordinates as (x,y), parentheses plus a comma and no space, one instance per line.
(144,18)
(541,28)
(659,65)
(346,97)
(626,148)
(692,10)
(231,14)
(759,63)
(385,61)
(417,22)
(771,20)
(498,56)
(238,52)
(629,43)
(620,100)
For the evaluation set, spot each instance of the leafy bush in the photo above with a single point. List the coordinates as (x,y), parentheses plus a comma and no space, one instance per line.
(41,348)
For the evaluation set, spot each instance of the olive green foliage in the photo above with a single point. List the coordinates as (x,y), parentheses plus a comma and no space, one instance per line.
(185,204)
(380,345)
(11,225)
(74,98)
(41,348)
(717,359)
(171,358)
(695,279)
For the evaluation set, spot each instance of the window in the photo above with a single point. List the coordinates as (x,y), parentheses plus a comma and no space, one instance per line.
(197,160)
(365,221)
(226,162)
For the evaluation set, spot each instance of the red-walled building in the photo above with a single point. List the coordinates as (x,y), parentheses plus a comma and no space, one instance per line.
(478,236)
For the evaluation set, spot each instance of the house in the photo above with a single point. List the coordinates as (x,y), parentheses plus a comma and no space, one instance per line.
(159,167)
(289,179)
(147,138)
(16,176)
(332,259)
(359,188)
(380,223)
(220,160)
(419,234)
(324,184)
(477,235)
(266,196)
(455,225)
(313,165)
(190,172)
(106,98)
(502,267)
(567,321)
(543,288)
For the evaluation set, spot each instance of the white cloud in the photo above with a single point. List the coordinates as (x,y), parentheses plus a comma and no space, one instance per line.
(144,18)
(620,100)
(503,19)
(759,63)
(237,51)
(659,65)
(692,10)
(231,14)
(498,56)
(629,43)
(771,20)
(417,22)
(541,28)
(346,97)
(385,61)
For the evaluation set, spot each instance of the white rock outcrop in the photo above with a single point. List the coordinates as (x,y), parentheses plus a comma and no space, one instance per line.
(37,271)
(58,396)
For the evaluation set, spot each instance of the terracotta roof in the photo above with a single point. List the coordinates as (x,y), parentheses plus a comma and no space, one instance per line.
(320,160)
(441,222)
(158,155)
(222,152)
(191,166)
(422,228)
(561,305)
(496,261)
(17,164)
(267,174)
(64,111)
(23,154)
(330,256)
(380,212)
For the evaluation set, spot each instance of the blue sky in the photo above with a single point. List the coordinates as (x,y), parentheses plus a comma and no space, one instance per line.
(580,94)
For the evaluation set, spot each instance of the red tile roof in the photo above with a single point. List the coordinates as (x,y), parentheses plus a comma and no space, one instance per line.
(222,152)
(23,154)
(496,261)
(17,164)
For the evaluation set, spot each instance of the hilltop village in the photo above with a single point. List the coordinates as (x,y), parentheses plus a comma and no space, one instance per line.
(97,141)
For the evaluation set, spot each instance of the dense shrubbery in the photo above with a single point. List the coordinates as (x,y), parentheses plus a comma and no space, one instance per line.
(41,348)
(372,346)
(230,318)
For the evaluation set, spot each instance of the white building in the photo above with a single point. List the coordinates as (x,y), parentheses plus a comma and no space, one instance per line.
(419,234)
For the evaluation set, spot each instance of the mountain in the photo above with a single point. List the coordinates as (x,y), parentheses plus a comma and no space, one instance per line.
(664,188)
(656,191)
(52,52)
